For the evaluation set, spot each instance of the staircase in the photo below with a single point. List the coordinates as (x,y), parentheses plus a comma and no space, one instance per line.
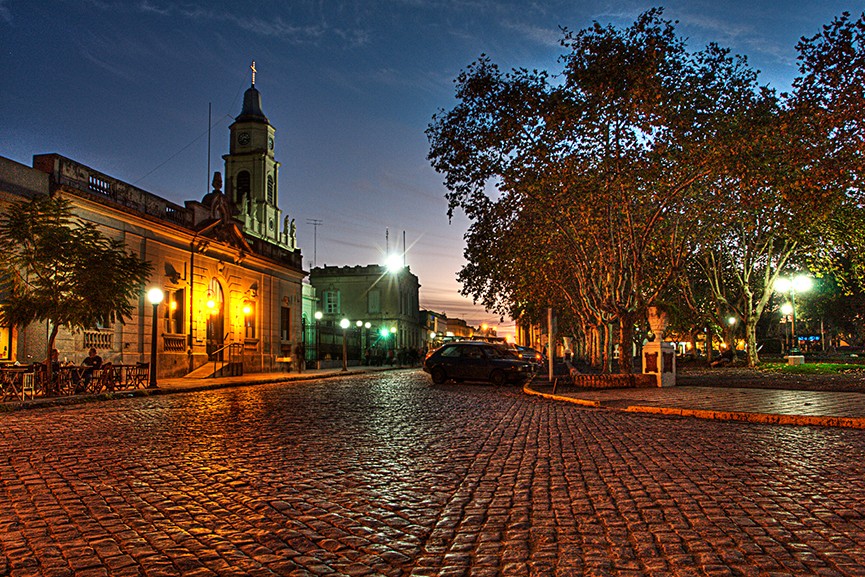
(221,368)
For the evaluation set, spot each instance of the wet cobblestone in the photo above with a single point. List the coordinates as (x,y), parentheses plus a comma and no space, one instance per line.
(385,474)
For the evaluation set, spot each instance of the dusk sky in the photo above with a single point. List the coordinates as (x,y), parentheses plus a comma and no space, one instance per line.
(124,87)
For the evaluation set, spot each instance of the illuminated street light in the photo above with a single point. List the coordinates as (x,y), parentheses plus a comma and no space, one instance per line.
(393,263)
(786,310)
(732,322)
(799,283)
(154,296)
(318,316)
(344,323)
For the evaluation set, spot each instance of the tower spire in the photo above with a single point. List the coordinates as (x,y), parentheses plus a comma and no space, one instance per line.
(253,72)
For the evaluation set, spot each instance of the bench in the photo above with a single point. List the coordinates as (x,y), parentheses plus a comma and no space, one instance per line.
(285,363)
(796,359)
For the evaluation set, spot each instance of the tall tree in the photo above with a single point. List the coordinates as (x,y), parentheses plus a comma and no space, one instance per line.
(607,164)
(62,270)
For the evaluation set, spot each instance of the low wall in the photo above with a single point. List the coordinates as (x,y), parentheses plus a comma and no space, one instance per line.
(632,381)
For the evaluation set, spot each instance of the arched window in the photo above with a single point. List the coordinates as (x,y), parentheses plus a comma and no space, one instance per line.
(270,189)
(241,185)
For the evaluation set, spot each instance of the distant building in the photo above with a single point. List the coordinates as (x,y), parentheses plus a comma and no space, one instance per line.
(370,295)
(435,327)
(230,270)
(459,328)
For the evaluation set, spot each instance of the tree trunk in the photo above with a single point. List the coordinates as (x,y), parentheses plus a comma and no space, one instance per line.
(52,337)
(709,352)
(590,350)
(751,341)
(626,344)
(607,347)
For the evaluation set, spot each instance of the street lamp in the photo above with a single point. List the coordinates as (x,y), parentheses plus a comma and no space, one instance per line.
(344,323)
(732,322)
(154,296)
(359,325)
(786,310)
(318,316)
(799,283)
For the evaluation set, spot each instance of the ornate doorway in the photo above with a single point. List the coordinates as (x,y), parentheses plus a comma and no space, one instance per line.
(215,319)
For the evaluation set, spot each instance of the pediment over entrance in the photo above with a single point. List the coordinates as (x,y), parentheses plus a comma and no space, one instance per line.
(223,231)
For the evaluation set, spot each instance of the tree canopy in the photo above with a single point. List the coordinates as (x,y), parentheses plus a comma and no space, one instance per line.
(598,177)
(594,189)
(63,270)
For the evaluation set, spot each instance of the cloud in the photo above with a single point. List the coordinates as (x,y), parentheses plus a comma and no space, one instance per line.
(315,30)
(540,35)
(5,14)
(741,37)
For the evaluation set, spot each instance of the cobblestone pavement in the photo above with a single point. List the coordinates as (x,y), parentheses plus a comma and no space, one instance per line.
(386,474)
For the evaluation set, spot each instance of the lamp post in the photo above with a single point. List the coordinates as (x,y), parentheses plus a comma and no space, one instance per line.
(799,283)
(344,323)
(154,296)
(786,309)
(318,315)
(732,322)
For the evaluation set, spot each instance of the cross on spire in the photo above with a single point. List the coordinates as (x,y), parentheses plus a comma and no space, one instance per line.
(253,72)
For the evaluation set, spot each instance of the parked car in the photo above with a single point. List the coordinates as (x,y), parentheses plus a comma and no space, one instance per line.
(531,355)
(476,361)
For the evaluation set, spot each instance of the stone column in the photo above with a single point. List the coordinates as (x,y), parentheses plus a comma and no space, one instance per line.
(659,358)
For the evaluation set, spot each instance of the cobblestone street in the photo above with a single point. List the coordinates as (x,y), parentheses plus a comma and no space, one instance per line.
(387,474)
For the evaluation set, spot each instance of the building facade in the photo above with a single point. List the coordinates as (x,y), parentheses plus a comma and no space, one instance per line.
(381,308)
(230,273)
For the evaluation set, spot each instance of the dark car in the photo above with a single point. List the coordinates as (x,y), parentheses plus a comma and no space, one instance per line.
(531,355)
(476,361)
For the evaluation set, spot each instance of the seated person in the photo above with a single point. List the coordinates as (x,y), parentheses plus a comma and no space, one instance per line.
(92,362)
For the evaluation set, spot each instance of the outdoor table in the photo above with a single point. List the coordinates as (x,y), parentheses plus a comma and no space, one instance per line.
(19,382)
(114,377)
(69,378)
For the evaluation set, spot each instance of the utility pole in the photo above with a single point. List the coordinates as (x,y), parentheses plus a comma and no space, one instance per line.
(315,223)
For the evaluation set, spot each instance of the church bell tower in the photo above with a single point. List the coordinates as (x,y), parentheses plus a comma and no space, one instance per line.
(252,172)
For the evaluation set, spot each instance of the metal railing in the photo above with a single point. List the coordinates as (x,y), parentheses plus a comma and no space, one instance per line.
(234,363)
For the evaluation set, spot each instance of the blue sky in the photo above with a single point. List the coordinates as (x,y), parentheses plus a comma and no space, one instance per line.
(124,87)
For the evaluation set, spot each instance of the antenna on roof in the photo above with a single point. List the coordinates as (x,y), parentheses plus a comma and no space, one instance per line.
(209,121)
(315,222)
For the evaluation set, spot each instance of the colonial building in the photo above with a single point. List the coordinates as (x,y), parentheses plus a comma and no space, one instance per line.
(435,327)
(229,265)
(384,303)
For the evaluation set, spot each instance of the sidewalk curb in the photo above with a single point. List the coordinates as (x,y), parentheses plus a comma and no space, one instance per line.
(583,402)
(204,385)
(762,418)
(757,418)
